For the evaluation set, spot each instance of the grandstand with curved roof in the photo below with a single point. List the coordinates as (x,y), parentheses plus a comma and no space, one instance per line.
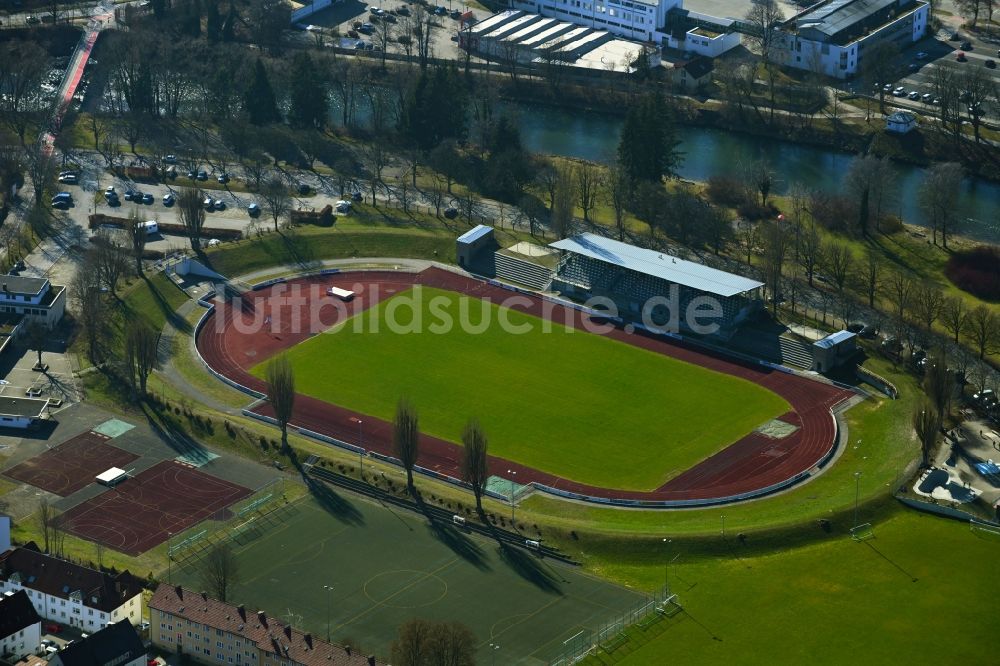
(651,286)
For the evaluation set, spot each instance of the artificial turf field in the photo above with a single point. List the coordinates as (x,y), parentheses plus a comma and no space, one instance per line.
(836,602)
(570,403)
(527,605)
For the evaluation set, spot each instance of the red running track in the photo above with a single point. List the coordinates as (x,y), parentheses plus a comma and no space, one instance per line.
(235,338)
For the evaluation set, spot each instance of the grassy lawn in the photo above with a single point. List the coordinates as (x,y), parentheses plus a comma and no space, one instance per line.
(831,603)
(614,398)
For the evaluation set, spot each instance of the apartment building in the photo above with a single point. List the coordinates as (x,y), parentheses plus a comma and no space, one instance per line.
(69,593)
(32,297)
(216,633)
(20,626)
(117,644)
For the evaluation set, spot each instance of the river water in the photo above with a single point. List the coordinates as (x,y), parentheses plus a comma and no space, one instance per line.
(707,152)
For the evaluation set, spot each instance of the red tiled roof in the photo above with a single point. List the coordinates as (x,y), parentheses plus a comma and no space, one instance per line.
(269,634)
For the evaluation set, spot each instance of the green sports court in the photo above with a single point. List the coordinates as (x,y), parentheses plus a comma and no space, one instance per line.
(526,605)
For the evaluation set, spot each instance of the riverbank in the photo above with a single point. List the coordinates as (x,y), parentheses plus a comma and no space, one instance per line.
(849,133)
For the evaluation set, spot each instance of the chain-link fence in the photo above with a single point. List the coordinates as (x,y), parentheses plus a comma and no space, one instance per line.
(612,634)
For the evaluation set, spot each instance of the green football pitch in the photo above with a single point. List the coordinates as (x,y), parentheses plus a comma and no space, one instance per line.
(529,606)
(577,405)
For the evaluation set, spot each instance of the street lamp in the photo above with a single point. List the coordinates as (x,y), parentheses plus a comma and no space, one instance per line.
(361,444)
(723,525)
(666,566)
(857,495)
(512,475)
(170,559)
(493,653)
(329,589)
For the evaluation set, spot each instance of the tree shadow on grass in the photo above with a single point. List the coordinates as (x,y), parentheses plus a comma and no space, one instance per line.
(164,424)
(168,311)
(333,503)
(530,568)
(453,538)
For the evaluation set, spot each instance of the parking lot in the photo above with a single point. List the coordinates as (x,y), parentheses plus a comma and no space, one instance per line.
(918,66)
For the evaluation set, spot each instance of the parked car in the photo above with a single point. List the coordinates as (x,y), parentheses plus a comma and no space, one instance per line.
(129,194)
(356,196)
(68,178)
(212,242)
(451,213)
(202,175)
(223,178)
(899,92)
(147,199)
(253,209)
(366,29)
(927,98)
(922,55)
(914,94)
(219,204)
(967,45)
(51,628)
(208,203)
(168,199)
(359,45)
(303,188)
(19,265)
(192,174)
(342,206)
(887,88)
(32,20)
(170,159)
(992,64)
(960,57)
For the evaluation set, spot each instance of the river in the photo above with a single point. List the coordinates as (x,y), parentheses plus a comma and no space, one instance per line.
(707,152)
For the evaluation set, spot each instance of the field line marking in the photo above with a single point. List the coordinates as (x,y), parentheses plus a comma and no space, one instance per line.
(529,616)
(397,593)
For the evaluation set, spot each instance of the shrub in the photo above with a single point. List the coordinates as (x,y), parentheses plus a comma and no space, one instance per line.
(726,191)
(976,271)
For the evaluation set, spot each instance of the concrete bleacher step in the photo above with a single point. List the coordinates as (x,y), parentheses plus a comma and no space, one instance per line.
(795,352)
(522,272)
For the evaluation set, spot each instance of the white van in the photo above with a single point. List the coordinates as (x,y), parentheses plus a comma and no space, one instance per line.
(151,227)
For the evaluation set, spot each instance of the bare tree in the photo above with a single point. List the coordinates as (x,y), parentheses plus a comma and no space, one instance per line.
(764,16)
(91,310)
(191,209)
(928,300)
(561,214)
(23,66)
(422,642)
(406,438)
(46,522)
(423,30)
(984,330)
(776,242)
(925,424)
(475,468)
(588,184)
(617,190)
(810,250)
(112,261)
(939,384)
(137,234)
(871,274)
(140,355)
(839,261)
(280,381)
(749,238)
(899,289)
(42,170)
(277,200)
(220,571)
(954,315)
(939,198)
(36,335)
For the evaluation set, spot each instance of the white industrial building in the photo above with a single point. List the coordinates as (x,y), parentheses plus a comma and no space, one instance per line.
(519,36)
(69,593)
(633,19)
(830,38)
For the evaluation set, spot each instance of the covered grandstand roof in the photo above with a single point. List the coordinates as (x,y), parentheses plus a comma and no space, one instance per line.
(657,264)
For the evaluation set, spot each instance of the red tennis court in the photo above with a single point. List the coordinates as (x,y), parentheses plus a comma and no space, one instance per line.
(72,465)
(142,512)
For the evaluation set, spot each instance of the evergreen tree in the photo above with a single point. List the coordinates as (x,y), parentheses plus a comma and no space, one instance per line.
(259,102)
(229,25)
(435,109)
(308,106)
(647,150)
(213,21)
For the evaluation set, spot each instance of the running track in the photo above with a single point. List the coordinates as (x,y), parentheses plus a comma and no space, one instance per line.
(753,463)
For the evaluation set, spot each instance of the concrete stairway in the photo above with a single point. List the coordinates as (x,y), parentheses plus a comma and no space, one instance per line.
(522,272)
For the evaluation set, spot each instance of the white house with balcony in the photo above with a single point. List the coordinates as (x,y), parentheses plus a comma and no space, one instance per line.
(33,298)
(68,593)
